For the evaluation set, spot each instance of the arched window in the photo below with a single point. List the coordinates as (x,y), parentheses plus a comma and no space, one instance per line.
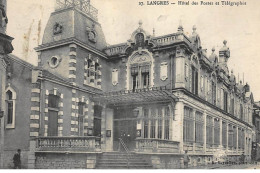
(10,108)
(140,71)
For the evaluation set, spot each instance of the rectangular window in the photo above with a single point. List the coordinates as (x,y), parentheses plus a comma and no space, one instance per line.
(140,76)
(234,137)
(194,88)
(9,112)
(232,106)
(81,119)
(241,112)
(97,120)
(146,123)
(224,134)
(52,123)
(209,130)
(225,101)
(199,127)
(213,85)
(188,125)
(145,76)
(216,132)
(53,106)
(230,136)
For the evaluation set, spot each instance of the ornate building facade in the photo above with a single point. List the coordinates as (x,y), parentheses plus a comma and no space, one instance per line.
(153,96)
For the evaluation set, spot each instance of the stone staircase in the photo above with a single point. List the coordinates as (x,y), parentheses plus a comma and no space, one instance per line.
(120,160)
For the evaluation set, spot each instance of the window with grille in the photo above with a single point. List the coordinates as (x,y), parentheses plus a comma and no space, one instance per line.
(188,125)
(199,124)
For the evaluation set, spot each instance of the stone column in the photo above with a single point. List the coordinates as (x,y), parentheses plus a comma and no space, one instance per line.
(194,130)
(178,124)
(227,136)
(179,68)
(220,132)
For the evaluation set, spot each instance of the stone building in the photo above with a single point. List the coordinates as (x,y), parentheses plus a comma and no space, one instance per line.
(5,48)
(256,123)
(153,97)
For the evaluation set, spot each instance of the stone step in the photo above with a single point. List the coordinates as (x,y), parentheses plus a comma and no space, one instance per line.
(124,167)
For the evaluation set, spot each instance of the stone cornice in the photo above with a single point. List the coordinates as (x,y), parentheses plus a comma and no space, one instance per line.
(67,42)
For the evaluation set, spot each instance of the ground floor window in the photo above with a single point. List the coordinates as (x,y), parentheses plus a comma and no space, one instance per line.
(199,124)
(156,122)
(188,125)
(209,130)
(97,120)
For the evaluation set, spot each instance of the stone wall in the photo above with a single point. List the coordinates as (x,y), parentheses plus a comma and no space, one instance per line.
(65,161)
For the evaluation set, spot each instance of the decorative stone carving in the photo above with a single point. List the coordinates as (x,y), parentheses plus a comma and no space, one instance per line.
(91,34)
(57,28)
(114,77)
(164,71)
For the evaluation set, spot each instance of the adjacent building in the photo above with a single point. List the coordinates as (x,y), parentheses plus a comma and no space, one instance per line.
(256,142)
(158,96)
(5,48)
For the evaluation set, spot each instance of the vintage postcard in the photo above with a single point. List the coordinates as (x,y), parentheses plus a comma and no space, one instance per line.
(129,84)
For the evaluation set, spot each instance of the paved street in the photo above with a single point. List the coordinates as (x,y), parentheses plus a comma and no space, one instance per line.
(220,166)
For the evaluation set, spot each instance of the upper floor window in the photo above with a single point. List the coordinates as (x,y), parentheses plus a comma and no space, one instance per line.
(139,71)
(10,108)
(53,109)
(214,92)
(140,74)
(194,82)
(188,125)
(225,101)
(81,118)
(92,72)
(241,112)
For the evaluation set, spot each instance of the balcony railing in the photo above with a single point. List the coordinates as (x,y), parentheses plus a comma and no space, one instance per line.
(156,145)
(70,144)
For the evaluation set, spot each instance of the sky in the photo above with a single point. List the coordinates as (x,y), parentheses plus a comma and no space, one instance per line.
(239,25)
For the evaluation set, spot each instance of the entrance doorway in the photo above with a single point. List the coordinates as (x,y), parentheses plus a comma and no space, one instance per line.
(124,128)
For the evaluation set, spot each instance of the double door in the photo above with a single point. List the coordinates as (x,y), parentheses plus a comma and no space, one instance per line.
(125,130)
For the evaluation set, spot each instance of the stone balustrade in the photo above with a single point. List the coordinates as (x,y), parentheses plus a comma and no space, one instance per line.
(75,144)
(156,145)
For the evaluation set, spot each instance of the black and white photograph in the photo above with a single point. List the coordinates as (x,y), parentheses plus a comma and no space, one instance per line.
(129,84)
